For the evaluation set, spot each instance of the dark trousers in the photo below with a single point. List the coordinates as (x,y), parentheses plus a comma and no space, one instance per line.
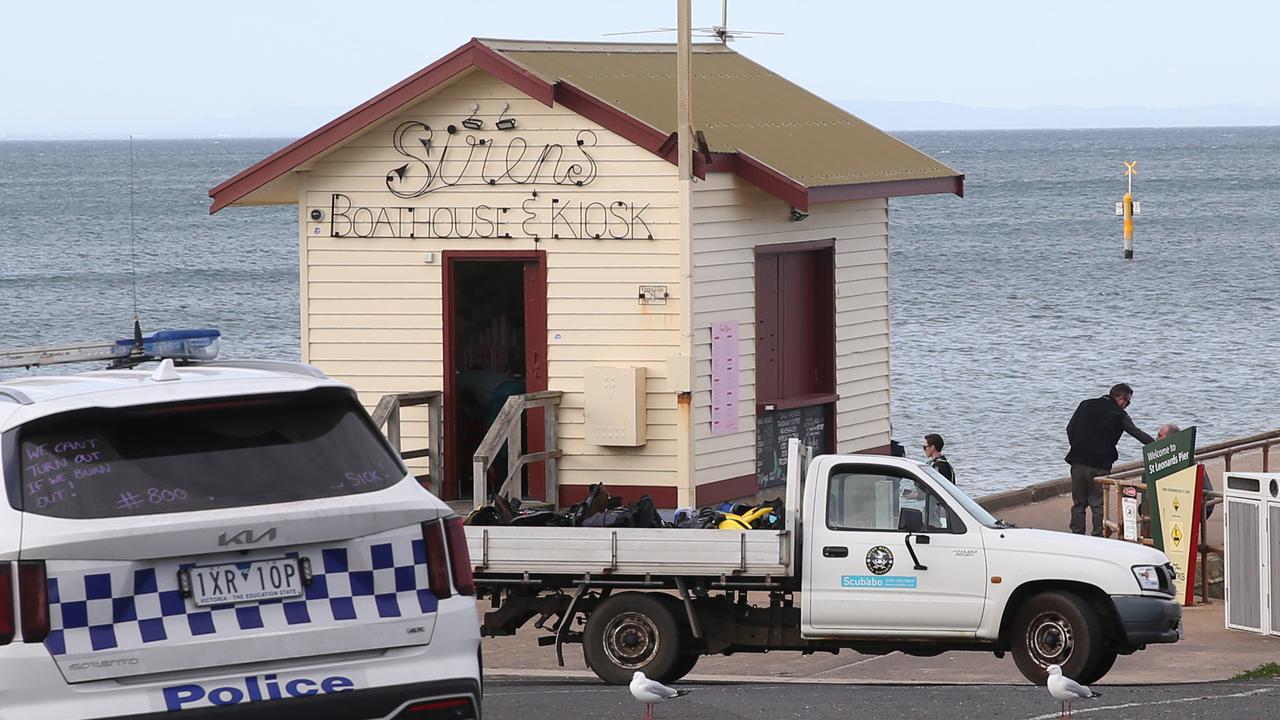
(1086,493)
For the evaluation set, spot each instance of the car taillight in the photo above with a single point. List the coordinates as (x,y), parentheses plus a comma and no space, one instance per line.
(459,558)
(6,603)
(458,708)
(33,600)
(437,560)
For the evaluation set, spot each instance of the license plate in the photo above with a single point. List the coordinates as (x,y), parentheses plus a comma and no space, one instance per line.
(245,582)
(1182,633)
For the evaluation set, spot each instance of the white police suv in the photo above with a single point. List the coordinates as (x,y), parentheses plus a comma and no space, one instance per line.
(222,539)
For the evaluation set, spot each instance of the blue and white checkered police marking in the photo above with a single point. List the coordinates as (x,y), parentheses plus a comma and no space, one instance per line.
(133,605)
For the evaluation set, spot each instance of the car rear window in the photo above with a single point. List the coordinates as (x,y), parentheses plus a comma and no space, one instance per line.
(227,452)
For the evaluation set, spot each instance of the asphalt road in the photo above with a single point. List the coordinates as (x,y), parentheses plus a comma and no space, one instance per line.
(521,699)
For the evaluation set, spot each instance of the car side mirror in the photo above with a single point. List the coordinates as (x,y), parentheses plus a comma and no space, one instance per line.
(911,520)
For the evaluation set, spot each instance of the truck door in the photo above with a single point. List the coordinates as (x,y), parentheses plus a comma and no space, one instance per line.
(860,578)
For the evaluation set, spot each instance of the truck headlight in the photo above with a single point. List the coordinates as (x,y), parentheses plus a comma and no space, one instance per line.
(1148,577)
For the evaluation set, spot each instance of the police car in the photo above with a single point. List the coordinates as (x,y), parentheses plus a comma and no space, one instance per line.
(222,539)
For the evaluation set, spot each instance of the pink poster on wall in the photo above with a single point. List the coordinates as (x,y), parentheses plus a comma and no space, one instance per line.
(724,377)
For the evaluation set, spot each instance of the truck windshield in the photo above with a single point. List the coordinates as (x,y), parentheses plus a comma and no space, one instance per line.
(978,512)
(202,455)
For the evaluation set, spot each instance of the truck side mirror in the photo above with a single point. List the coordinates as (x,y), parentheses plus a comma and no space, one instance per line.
(911,520)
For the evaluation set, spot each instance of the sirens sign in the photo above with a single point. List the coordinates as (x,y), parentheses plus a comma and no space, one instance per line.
(434,161)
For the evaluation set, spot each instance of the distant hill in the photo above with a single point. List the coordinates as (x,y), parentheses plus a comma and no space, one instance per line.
(949,116)
(296,121)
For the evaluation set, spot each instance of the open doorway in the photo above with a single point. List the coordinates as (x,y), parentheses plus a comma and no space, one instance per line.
(495,347)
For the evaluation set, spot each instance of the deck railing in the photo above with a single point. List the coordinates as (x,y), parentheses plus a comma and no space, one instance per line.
(1226,450)
(508,429)
(388,413)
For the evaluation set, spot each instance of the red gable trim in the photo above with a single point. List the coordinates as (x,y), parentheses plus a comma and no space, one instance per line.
(800,197)
(772,181)
(473,54)
(627,126)
(892,188)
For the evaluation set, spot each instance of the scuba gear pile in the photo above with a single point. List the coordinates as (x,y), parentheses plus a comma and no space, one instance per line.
(744,521)
(600,509)
(765,516)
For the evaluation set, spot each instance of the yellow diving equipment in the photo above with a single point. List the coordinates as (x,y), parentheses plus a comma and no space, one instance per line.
(743,521)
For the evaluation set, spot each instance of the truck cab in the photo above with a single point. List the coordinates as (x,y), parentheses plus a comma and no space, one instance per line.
(894,549)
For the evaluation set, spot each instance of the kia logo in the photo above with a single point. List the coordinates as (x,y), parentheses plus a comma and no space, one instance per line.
(246,537)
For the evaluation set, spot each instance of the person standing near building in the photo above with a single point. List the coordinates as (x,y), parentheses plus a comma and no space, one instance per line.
(933,443)
(1093,432)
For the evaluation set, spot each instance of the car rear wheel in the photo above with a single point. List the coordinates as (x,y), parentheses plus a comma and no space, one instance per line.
(1056,628)
(629,632)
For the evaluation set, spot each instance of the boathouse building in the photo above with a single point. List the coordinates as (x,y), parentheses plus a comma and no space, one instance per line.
(507,222)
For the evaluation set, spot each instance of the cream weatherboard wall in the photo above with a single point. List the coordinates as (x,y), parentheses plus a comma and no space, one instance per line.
(730,219)
(373,306)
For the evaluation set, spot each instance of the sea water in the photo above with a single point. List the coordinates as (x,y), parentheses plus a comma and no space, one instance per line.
(1009,306)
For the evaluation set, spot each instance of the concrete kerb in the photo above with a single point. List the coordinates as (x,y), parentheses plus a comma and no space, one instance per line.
(733,679)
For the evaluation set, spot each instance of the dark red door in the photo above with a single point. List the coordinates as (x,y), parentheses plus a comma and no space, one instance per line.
(458,473)
(535,352)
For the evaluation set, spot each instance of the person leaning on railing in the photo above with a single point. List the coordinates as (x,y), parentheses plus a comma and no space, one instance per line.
(1094,430)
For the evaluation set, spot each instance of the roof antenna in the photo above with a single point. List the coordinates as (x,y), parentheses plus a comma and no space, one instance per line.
(720,32)
(133,261)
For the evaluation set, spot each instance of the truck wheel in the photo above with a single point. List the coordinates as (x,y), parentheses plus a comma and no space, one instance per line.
(689,657)
(1105,663)
(683,666)
(1056,628)
(629,632)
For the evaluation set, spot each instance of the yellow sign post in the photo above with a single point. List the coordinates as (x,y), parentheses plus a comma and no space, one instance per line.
(1130,169)
(1179,498)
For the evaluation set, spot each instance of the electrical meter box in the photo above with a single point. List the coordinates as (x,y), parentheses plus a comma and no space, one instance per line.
(615,406)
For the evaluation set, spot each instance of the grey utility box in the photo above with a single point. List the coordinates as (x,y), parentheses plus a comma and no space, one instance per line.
(1251,539)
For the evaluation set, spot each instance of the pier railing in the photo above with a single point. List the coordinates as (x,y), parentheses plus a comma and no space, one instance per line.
(1112,504)
(387,414)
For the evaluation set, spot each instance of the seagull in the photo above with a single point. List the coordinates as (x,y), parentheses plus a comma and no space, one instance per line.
(651,691)
(1062,688)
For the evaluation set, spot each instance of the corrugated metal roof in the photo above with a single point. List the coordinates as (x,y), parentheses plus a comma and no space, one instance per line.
(739,106)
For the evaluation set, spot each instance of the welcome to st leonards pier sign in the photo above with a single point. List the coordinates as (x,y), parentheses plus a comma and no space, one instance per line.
(434,163)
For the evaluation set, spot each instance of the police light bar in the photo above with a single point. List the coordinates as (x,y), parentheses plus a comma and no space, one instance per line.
(198,344)
(189,345)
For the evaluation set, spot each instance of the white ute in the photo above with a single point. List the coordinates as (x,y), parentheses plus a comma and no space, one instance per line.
(227,539)
(877,554)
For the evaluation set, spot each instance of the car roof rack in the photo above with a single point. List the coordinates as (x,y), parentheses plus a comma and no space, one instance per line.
(297,368)
(14,395)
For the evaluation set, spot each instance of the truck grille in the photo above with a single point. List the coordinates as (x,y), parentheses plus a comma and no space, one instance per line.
(1167,575)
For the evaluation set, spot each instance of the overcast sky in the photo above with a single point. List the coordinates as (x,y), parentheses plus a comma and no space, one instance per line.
(78,68)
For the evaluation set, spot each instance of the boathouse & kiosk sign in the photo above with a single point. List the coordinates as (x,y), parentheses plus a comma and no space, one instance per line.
(488,161)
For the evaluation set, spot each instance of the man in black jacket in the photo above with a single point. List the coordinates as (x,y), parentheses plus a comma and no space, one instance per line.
(1094,430)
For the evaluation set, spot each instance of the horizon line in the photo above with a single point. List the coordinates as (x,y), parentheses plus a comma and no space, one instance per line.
(144,136)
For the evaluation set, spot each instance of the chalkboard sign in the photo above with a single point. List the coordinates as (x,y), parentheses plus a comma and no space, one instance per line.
(775,427)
